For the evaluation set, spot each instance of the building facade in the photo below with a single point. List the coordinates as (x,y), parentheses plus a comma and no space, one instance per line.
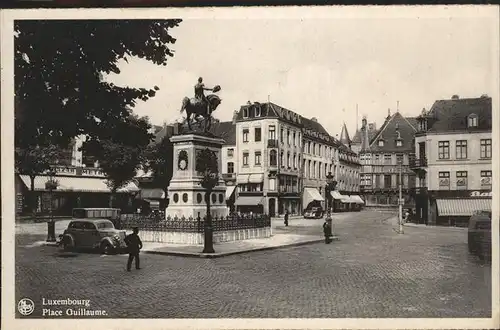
(321,160)
(385,160)
(81,183)
(269,142)
(284,161)
(453,160)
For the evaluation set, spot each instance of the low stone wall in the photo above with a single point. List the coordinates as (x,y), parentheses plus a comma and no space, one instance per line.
(197,238)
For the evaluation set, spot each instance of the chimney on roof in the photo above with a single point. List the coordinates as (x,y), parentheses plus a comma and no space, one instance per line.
(389,113)
(235,115)
(455,97)
(363,122)
(314,119)
(372,127)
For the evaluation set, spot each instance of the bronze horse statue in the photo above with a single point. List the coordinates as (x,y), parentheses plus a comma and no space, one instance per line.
(202,108)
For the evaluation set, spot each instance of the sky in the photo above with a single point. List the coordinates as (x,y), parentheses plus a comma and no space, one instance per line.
(320,68)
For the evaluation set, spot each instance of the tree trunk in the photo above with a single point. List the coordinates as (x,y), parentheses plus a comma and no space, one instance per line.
(111,198)
(32,197)
(208,246)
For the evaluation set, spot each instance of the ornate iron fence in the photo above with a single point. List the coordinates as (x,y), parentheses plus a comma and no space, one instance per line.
(192,225)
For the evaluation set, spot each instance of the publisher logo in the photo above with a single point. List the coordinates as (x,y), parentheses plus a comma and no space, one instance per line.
(25,306)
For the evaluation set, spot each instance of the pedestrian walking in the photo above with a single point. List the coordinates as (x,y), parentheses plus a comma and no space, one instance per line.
(327,230)
(134,245)
(286,218)
(406,217)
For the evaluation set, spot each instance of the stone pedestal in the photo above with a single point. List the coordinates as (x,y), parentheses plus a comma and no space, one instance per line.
(186,195)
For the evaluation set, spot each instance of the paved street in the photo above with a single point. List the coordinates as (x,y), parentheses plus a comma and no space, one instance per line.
(371,272)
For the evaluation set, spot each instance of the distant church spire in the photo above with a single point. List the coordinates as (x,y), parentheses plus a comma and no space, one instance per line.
(344,136)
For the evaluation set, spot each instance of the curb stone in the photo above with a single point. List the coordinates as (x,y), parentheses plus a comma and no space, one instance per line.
(225,254)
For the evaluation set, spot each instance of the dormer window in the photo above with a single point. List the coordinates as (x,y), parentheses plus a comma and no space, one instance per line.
(380,143)
(258,111)
(472,120)
(399,140)
(245,113)
(422,125)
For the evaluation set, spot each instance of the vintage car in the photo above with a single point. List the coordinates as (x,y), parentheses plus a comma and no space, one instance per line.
(93,234)
(313,213)
(479,234)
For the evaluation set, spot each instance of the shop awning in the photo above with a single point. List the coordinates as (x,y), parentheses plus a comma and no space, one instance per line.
(76,184)
(346,199)
(256,178)
(356,199)
(311,194)
(336,195)
(249,200)
(462,207)
(229,191)
(152,193)
(242,178)
(154,204)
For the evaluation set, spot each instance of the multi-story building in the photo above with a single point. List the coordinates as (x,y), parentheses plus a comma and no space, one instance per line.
(269,142)
(383,156)
(320,152)
(452,160)
(347,174)
(227,131)
(284,161)
(81,183)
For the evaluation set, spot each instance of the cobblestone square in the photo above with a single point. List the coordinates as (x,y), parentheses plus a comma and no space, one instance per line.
(370,272)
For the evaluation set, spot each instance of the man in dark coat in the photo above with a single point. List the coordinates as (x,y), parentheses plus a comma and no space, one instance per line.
(286,218)
(134,245)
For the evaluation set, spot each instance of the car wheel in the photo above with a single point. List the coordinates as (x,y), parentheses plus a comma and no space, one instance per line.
(106,248)
(66,245)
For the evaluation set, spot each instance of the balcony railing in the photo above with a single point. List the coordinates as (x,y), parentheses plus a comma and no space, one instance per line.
(272,143)
(417,162)
(229,176)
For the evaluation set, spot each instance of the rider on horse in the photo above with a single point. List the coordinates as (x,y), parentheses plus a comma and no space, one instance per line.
(199,92)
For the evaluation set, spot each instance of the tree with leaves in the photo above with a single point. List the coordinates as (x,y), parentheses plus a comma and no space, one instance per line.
(33,162)
(121,152)
(207,165)
(61,93)
(59,68)
(159,162)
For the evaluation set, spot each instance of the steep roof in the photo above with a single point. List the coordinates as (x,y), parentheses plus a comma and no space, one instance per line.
(395,127)
(451,115)
(268,110)
(356,139)
(344,136)
(314,125)
(226,130)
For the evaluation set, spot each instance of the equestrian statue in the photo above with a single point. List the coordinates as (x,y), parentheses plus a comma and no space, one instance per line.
(201,105)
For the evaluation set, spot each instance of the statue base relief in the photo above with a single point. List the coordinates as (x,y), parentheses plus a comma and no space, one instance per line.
(185,193)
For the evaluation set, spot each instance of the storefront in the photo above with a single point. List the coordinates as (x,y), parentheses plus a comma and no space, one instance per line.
(71,192)
(230,197)
(341,203)
(250,204)
(455,207)
(311,198)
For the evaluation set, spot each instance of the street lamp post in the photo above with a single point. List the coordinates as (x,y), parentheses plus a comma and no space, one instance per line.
(400,200)
(51,185)
(328,190)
